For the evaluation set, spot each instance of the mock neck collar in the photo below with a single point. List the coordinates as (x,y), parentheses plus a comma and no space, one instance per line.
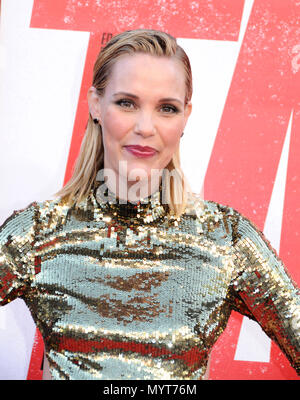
(145,211)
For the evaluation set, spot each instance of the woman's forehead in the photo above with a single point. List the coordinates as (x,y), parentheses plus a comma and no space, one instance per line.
(133,61)
(139,69)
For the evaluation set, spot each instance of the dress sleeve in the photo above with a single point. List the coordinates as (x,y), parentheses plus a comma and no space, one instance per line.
(16,266)
(262,289)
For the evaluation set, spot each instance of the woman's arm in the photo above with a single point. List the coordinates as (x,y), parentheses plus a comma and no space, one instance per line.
(263,290)
(16,263)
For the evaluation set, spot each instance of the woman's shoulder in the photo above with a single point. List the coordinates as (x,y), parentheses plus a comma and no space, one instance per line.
(217,218)
(242,229)
(31,218)
(19,220)
(203,208)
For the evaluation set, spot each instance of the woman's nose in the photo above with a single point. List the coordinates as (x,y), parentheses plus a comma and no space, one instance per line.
(145,123)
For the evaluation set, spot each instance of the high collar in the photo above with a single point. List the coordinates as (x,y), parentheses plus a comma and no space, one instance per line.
(145,211)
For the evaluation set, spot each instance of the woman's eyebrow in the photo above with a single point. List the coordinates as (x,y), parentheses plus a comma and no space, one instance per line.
(136,97)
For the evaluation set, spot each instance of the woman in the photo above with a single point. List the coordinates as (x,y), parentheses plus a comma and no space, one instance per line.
(127,273)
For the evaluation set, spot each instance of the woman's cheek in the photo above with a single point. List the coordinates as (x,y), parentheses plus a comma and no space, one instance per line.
(171,137)
(116,125)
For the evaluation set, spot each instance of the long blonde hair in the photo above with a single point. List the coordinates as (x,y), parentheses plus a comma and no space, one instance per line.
(91,157)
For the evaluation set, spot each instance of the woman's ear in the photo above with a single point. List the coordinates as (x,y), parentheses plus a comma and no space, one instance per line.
(188,108)
(94,103)
(187,111)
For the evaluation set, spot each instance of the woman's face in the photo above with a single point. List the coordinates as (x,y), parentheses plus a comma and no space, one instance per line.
(143,105)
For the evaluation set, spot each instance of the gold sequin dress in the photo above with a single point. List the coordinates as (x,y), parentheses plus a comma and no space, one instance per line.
(125,291)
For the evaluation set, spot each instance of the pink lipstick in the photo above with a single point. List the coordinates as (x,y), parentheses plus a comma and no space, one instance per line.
(141,151)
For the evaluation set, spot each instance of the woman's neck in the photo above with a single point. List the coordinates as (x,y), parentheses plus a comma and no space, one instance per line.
(133,191)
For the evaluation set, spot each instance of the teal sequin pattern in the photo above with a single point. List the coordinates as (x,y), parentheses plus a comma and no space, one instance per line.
(126,291)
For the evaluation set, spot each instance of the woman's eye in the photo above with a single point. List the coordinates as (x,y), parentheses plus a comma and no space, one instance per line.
(169,109)
(124,103)
(166,108)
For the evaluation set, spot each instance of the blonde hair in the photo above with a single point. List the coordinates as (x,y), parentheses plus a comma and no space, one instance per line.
(91,156)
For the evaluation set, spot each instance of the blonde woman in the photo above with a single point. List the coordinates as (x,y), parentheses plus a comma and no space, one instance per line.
(127,273)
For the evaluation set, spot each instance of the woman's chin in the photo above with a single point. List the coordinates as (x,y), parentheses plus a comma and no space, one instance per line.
(137,171)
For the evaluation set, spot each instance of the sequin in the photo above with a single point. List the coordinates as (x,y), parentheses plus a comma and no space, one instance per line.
(125,291)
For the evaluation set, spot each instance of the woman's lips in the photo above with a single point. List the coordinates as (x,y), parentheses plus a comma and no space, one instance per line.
(140,151)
